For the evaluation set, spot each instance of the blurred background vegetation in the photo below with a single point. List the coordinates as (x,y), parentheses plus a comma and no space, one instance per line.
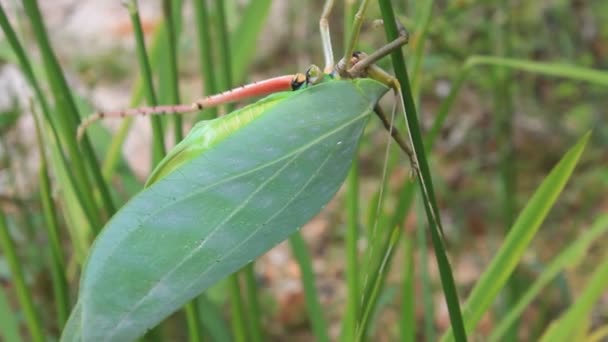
(507,126)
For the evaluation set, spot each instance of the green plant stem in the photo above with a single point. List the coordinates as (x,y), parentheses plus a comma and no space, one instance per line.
(253,307)
(315,311)
(352,257)
(425,279)
(60,284)
(158,146)
(425,181)
(67,122)
(224,50)
(23,293)
(408,295)
(376,284)
(353,296)
(173,69)
(85,202)
(239,327)
(65,102)
(205,50)
(193,321)
(503,125)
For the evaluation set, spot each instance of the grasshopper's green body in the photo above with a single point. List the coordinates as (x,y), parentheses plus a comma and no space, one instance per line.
(205,134)
(235,187)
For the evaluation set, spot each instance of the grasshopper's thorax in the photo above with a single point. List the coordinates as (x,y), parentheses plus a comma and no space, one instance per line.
(350,70)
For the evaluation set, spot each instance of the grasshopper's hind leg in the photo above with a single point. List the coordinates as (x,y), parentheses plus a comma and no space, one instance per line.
(365,61)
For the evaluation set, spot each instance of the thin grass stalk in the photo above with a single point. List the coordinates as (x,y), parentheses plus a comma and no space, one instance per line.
(408,294)
(9,322)
(205,51)
(193,321)
(24,295)
(212,320)
(158,146)
(173,69)
(238,313)
(375,286)
(237,306)
(423,17)
(114,152)
(425,278)
(59,280)
(352,256)
(244,39)
(253,308)
(315,311)
(66,123)
(84,201)
(353,296)
(503,107)
(224,48)
(425,181)
(65,102)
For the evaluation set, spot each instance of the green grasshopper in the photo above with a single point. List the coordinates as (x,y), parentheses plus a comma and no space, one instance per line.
(232,189)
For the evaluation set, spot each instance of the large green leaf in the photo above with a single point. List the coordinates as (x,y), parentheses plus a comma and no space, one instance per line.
(224,208)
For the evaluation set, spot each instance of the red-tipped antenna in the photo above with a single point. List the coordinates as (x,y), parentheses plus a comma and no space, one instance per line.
(261,88)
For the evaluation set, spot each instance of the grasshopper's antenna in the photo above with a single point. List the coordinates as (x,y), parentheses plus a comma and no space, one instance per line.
(269,86)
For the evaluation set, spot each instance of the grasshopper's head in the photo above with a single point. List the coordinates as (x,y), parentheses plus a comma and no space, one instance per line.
(314,75)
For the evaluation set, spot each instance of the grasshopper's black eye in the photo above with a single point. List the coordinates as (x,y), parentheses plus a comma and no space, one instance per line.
(298,81)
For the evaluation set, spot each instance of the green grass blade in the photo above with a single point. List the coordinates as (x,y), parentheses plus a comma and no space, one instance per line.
(424,10)
(520,235)
(157,58)
(84,201)
(224,49)
(83,162)
(574,72)
(315,311)
(60,285)
(237,306)
(425,278)
(503,131)
(566,326)
(569,257)
(351,313)
(173,73)
(253,307)
(376,283)
(158,146)
(352,259)
(213,320)
(205,46)
(408,294)
(24,295)
(245,38)
(9,327)
(431,208)
(193,321)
